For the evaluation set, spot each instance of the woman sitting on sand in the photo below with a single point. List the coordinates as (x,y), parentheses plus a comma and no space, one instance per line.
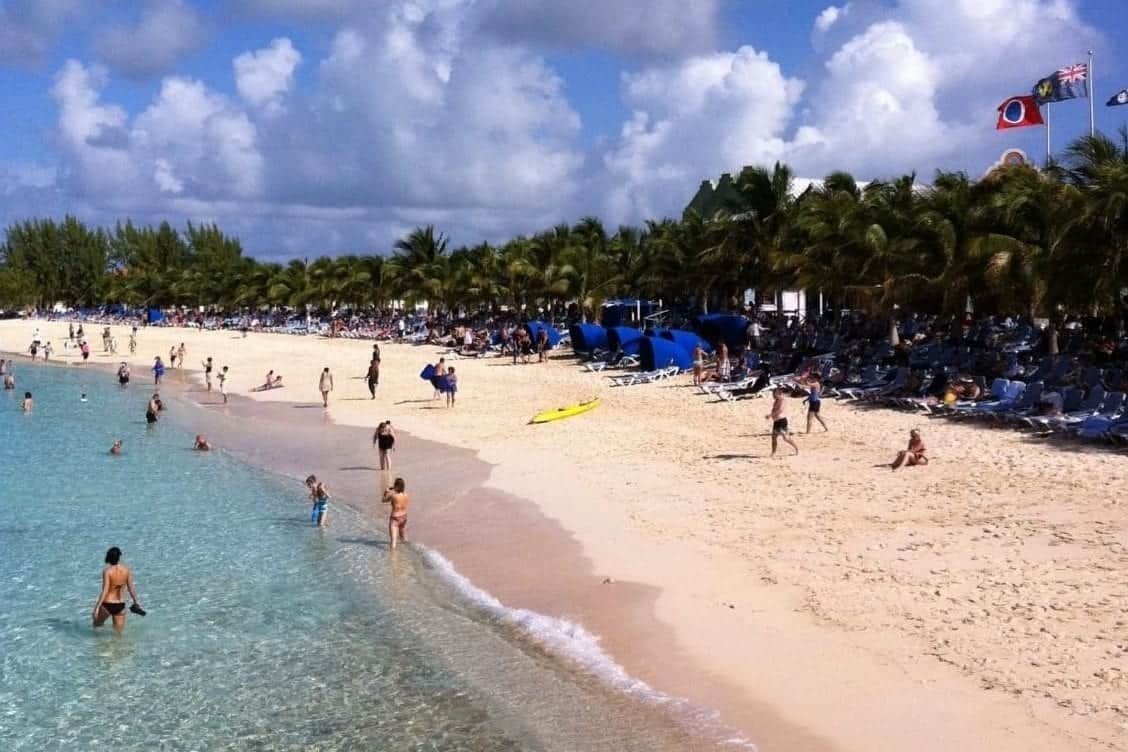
(915,454)
(385,440)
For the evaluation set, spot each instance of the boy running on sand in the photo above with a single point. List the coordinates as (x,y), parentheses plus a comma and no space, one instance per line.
(779,420)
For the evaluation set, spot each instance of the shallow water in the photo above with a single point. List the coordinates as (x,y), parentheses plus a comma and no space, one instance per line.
(263,632)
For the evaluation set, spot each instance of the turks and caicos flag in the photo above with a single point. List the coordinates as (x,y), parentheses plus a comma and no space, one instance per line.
(1070,82)
(1018,112)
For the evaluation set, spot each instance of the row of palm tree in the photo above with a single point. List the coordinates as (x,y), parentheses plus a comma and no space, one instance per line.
(1019,240)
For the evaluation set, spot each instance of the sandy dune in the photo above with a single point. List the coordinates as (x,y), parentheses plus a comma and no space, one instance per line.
(979,603)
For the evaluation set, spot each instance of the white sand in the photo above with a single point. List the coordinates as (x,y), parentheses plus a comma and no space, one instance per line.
(980,603)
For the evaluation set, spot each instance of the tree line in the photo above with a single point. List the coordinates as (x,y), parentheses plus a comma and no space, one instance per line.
(1019,240)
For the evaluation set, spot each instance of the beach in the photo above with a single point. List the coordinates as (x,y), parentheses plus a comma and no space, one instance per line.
(816,602)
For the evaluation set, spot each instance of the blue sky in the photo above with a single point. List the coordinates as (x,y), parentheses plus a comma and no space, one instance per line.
(329,126)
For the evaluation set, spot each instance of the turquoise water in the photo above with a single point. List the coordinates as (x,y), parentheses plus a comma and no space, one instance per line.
(263,633)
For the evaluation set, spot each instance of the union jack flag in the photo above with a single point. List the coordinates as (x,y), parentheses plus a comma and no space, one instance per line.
(1073,74)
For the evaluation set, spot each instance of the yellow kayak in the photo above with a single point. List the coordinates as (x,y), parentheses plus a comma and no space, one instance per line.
(565,412)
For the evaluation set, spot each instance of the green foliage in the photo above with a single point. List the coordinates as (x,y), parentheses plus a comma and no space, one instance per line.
(1018,241)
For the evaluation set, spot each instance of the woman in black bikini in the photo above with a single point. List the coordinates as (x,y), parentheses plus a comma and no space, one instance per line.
(385,440)
(111,601)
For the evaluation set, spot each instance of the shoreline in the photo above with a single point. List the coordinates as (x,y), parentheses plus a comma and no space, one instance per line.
(761,637)
(562,572)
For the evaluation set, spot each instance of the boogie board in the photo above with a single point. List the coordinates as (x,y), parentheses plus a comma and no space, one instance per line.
(565,412)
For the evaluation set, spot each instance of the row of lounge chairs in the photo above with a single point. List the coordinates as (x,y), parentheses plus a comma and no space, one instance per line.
(644,377)
(1093,413)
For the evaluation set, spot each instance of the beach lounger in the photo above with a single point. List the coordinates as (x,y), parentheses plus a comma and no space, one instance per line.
(1091,405)
(1096,425)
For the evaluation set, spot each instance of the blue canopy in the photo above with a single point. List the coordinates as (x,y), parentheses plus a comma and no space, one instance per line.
(625,339)
(155,315)
(616,312)
(534,328)
(726,327)
(656,353)
(687,340)
(588,337)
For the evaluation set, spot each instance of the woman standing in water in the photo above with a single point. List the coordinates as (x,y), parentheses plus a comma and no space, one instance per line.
(111,601)
(385,440)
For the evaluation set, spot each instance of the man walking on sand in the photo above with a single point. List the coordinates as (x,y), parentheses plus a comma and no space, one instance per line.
(397,520)
(208,373)
(373,375)
(326,386)
(779,420)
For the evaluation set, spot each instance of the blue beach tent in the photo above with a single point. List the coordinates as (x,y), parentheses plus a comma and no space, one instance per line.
(534,328)
(730,328)
(625,339)
(687,340)
(656,352)
(618,312)
(588,337)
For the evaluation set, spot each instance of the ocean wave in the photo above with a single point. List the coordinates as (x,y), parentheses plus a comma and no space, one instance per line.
(572,643)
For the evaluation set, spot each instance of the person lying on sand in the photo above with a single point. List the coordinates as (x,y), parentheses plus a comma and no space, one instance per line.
(272,382)
(915,454)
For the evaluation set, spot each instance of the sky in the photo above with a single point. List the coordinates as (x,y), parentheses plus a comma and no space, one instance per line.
(310,127)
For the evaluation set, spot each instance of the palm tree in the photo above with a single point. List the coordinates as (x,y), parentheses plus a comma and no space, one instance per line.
(1099,167)
(419,266)
(588,257)
(1032,219)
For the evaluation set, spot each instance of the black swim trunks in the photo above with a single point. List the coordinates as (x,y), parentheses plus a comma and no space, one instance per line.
(150,416)
(813,407)
(779,426)
(114,608)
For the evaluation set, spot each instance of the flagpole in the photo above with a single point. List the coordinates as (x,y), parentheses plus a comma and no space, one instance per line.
(1047,134)
(1092,122)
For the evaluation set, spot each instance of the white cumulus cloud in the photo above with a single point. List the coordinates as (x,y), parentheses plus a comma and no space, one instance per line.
(263,77)
(706,115)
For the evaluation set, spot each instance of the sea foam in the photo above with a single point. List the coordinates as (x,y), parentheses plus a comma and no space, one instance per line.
(570,642)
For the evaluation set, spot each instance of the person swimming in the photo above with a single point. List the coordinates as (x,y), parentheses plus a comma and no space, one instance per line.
(28,403)
(152,409)
(116,448)
(201,443)
(111,600)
